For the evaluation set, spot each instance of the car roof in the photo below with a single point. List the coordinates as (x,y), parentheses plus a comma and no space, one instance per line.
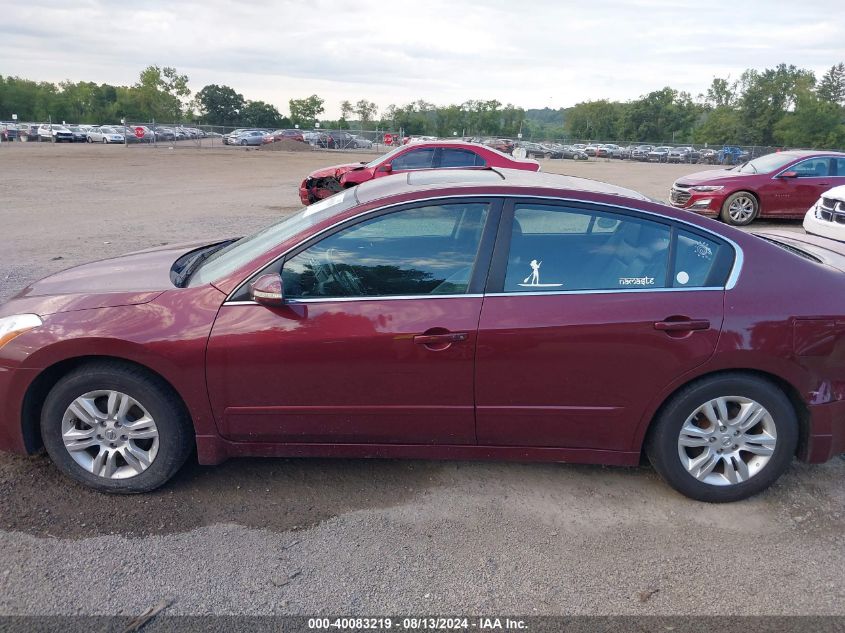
(492,178)
(800,153)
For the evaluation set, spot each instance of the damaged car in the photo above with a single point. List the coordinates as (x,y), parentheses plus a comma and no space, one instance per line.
(326,182)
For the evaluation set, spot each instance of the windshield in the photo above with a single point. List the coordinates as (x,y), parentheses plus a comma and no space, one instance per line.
(390,154)
(227,260)
(766,164)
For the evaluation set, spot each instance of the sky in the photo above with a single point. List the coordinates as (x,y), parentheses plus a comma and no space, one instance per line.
(533,54)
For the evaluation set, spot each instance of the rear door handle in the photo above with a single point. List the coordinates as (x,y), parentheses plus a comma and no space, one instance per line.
(440,339)
(684,325)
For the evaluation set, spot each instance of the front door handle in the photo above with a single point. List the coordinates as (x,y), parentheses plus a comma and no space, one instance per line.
(440,339)
(682,325)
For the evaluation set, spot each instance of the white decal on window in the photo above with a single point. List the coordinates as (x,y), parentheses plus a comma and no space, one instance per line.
(703,250)
(533,280)
(682,277)
(636,281)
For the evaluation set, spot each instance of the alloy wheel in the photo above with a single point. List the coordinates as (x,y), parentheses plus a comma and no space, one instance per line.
(727,440)
(742,209)
(110,434)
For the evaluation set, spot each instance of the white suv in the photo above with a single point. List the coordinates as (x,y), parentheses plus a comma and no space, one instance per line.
(826,218)
(55,133)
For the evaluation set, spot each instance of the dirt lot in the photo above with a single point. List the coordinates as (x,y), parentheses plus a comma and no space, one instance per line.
(364,537)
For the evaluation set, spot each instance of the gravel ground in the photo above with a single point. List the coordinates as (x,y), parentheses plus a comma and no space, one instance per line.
(364,536)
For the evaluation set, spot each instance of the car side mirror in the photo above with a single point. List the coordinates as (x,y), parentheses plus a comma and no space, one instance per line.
(789,174)
(267,290)
(386,169)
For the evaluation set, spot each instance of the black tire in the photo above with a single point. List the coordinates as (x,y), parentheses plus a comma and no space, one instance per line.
(176,437)
(725,213)
(662,441)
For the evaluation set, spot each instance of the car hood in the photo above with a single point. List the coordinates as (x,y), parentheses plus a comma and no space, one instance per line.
(336,170)
(126,280)
(709,176)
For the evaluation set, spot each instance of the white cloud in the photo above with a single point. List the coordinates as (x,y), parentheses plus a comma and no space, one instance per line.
(534,54)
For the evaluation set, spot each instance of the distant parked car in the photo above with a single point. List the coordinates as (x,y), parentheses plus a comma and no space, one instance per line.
(80,135)
(228,137)
(682,155)
(826,218)
(606,150)
(9,131)
(591,149)
(250,137)
(336,140)
(105,135)
(537,150)
(708,156)
(325,182)
(659,154)
(570,151)
(55,133)
(166,134)
(361,142)
(500,144)
(779,186)
(640,152)
(28,132)
(291,135)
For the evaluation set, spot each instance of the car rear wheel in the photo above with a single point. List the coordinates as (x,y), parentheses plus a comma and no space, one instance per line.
(740,209)
(115,428)
(724,438)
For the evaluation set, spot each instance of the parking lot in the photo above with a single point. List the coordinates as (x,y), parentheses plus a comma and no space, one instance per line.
(364,537)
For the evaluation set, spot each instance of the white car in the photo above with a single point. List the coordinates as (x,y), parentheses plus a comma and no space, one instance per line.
(55,133)
(826,218)
(105,135)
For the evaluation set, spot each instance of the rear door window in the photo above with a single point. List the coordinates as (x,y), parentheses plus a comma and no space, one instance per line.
(453,157)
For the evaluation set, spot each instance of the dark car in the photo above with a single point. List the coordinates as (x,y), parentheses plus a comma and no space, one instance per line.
(464,314)
(569,151)
(292,135)
(80,135)
(683,155)
(336,140)
(640,152)
(780,185)
(659,154)
(537,150)
(9,131)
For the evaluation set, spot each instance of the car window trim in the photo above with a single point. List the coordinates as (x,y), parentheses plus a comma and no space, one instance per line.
(498,267)
(478,277)
(798,161)
(733,277)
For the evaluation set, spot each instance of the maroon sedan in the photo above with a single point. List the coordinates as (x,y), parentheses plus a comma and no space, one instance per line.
(783,185)
(412,157)
(469,314)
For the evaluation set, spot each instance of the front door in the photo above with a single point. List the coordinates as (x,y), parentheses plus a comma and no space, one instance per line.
(591,313)
(793,196)
(376,343)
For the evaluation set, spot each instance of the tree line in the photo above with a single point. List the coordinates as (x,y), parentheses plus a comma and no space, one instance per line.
(781,106)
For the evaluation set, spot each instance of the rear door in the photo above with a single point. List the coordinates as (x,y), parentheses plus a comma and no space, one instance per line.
(590,311)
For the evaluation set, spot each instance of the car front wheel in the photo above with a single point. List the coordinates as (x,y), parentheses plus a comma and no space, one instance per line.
(115,428)
(740,209)
(724,438)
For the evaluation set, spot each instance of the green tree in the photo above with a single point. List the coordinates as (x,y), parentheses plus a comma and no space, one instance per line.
(260,114)
(220,105)
(366,111)
(158,94)
(831,88)
(814,123)
(304,112)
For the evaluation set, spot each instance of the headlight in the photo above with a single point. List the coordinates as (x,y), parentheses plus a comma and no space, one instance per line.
(708,188)
(15,325)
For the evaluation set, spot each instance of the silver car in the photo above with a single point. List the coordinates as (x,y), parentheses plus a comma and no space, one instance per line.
(251,137)
(105,135)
